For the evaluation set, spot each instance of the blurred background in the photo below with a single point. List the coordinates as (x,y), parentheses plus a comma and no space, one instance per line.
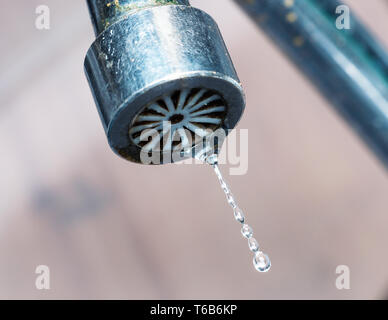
(314,194)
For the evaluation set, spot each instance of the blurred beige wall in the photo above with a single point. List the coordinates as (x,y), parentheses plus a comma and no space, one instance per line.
(315,196)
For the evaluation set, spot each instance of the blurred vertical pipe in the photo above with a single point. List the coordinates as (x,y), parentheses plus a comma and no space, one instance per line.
(104,13)
(349,67)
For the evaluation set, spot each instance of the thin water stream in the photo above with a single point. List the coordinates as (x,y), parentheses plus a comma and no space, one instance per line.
(261,261)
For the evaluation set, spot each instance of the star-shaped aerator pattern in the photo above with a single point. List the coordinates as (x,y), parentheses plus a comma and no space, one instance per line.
(178,120)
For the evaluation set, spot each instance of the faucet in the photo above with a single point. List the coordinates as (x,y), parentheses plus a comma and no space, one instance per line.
(157,64)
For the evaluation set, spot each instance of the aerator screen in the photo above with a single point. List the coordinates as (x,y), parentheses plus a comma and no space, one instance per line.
(180,119)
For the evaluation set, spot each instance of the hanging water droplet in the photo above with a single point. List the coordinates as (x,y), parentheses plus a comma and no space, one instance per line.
(253,245)
(247,231)
(239,215)
(212,160)
(261,262)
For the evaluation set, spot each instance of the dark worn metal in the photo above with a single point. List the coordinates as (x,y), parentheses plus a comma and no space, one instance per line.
(154,51)
(106,12)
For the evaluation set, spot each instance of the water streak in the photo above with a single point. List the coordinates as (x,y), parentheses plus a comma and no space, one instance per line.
(261,261)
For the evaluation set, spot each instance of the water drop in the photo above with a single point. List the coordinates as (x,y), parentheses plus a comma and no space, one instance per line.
(239,215)
(261,262)
(230,199)
(247,231)
(212,159)
(253,244)
(224,187)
